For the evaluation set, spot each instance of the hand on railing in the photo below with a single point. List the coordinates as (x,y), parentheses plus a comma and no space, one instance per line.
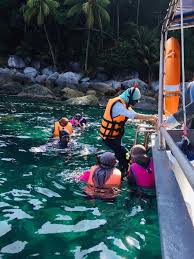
(153,119)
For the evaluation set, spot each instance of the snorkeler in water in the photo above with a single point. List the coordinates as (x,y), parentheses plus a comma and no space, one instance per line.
(64,142)
(78,121)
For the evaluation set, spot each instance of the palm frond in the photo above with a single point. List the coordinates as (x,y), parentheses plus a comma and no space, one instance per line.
(45,9)
(104,14)
(53,5)
(72,2)
(28,14)
(103,3)
(31,3)
(75,10)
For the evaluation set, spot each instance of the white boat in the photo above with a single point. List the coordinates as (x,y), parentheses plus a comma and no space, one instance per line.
(173,171)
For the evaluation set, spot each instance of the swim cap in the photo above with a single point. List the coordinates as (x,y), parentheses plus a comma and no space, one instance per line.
(138,152)
(131,94)
(107,159)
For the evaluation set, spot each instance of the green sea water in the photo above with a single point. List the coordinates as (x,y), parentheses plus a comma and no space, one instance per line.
(43,211)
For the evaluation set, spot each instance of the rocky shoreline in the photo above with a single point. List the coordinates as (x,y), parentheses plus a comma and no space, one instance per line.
(71,87)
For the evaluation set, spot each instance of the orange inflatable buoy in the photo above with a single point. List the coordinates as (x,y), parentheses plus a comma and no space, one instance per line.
(171,76)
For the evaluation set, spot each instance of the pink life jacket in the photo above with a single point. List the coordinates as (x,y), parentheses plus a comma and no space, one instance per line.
(73,123)
(144,176)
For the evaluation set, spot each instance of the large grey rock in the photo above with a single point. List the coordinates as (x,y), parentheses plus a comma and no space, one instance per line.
(102,88)
(91,92)
(101,77)
(84,79)
(11,88)
(41,78)
(53,77)
(147,103)
(114,84)
(21,78)
(85,100)
(6,74)
(84,86)
(15,62)
(30,72)
(48,71)
(71,93)
(68,78)
(37,91)
(129,83)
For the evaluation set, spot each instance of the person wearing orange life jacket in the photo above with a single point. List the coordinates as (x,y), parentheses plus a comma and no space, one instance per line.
(62,124)
(103,179)
(115,116)
(141,170)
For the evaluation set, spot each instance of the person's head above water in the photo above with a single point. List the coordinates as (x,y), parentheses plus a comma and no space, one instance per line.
(107,160)
(64,138)
(63,121)
(131,96)
(138,153)
(106,164)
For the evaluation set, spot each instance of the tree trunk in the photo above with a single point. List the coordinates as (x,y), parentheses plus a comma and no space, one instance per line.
(101,34)
(118,21)
(113,16)
(87,52)
(137,18)
(50,46)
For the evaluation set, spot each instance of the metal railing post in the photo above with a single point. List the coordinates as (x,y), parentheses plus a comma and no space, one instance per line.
(161,86)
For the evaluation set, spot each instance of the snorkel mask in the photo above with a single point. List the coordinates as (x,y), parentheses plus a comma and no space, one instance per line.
(64,138)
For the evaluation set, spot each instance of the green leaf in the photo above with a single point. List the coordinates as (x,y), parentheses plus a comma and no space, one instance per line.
(104,14)
(71,2)
(40,17)
(75,10)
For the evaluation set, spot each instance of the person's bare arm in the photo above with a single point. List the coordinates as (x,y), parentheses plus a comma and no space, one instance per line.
(146,117)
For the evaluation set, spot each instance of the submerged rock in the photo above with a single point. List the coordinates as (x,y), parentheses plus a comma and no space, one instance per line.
(85,100)
(37,91)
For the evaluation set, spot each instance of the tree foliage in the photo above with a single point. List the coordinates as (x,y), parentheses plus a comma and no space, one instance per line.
(115,42)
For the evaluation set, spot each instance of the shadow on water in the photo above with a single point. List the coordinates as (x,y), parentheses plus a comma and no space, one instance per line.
(44,212)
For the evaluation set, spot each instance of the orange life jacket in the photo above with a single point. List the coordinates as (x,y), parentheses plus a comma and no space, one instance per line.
(58,128)
(109,190)
(112,127)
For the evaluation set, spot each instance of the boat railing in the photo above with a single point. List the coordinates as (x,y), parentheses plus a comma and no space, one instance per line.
(183,162)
